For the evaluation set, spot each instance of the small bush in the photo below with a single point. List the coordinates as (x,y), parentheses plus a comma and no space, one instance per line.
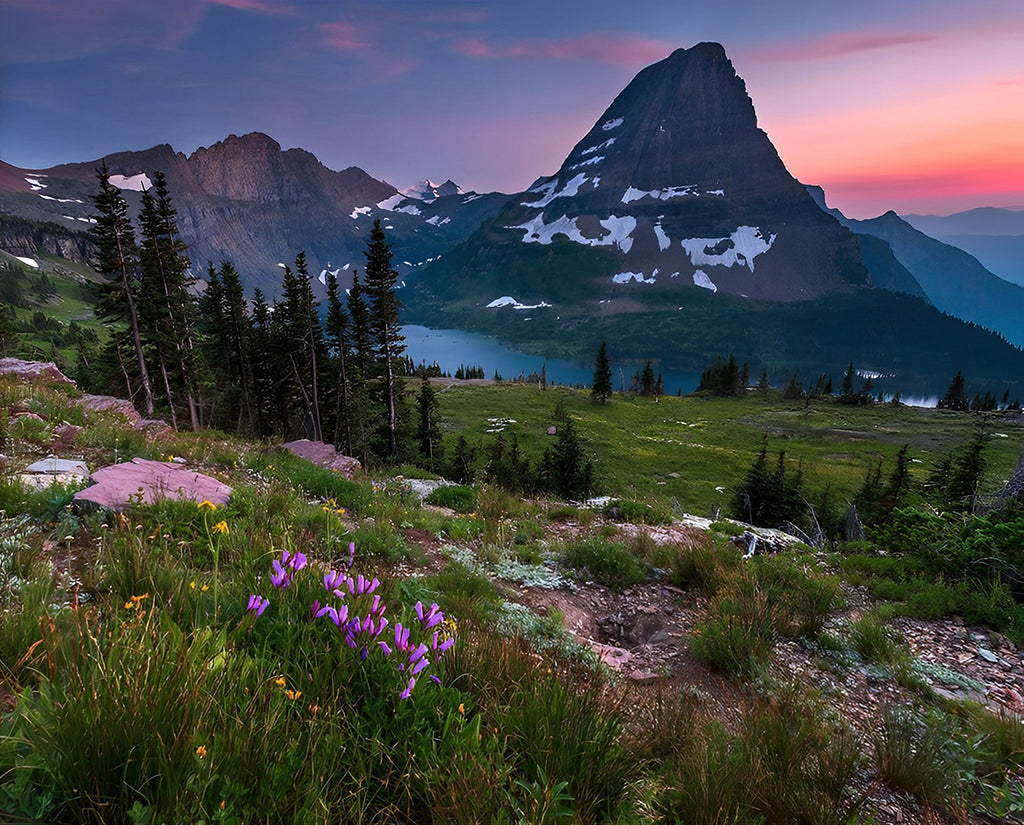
(635,512)
(921,754)
(739,632)
(608,563)
(457,497)
(874,642)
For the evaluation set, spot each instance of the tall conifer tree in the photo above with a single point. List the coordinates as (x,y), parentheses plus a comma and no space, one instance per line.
(119,265)
(385,331)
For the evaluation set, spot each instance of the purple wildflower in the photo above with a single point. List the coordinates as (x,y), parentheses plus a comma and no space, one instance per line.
(385,647)
(434,679)
(258,604)
(333,582)
(351,554)
(282,576)
(405,694)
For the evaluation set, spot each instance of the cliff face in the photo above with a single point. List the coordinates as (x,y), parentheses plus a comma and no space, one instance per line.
(676,187)
(247,201)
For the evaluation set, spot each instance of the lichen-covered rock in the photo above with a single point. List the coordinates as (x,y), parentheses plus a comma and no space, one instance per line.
(98,403)
(324,455)
(144,481)
(33,370)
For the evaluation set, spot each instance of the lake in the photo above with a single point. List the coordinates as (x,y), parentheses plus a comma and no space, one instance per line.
(452,348)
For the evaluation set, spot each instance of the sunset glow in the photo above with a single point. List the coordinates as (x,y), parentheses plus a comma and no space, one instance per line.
(916,106)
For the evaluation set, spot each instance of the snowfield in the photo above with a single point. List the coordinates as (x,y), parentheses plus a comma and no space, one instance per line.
(570,190)
(619,231)
(745,244)
(136,183)
(626,277)
(665,194)
(701,279)
(509,301)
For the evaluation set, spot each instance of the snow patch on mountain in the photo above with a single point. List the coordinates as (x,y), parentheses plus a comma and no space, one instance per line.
(32,262)
(701,279)
(587,162)
(570,190)
(509,301)
(741,247)
(639,277)
(59,200)
(619,231)
(409,209)
(437,220)
(590,150)
(664,241)
(389,204)
(35,184)
(633,194)
(615,123)
(136,183)
(360,210)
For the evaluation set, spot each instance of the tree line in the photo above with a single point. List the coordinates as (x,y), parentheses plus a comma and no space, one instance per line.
(278,368)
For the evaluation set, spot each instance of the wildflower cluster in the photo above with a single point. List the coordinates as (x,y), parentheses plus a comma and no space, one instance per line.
(285,568)
(358,611)
(414,655)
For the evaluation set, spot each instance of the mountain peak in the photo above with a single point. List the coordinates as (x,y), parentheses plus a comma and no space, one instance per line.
(678,183)
(426,190)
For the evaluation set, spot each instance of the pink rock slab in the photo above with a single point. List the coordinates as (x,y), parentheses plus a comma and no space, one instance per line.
(119,485)
(324,455)
(33,370)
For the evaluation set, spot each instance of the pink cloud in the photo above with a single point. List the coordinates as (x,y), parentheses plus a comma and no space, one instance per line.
(257,6)
(602,47)
(838,45)
(342,36)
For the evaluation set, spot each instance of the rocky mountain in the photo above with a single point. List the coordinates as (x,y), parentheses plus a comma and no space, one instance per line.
(954,281)
(994,236)
(246,200)
(675,186)
(674,231)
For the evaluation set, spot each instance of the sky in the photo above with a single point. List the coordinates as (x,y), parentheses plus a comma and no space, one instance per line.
(911,105)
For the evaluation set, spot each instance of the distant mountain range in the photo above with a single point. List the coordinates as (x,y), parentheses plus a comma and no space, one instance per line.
(672,229)
(246,200)
(994,236)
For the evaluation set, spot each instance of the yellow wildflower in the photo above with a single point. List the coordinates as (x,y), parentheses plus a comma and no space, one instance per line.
(280,682)
(201,751)
(134,601)
(221,527)
(462,709)
(206,504)
(192,585)
(204,588)
(293,694)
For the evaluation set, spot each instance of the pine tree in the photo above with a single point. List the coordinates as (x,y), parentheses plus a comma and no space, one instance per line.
(385,330)
(362,413)
(336,327)
(566,469)
(956,395)
(601,389)
(429,431)
(847,396)
(647,380)
(119,265)
(167,308)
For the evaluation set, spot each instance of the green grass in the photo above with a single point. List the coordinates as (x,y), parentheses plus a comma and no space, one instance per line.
(144,690)
(679,451)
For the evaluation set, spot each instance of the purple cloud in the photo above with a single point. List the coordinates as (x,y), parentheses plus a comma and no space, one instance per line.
(342,36)
(601,47)
(837,45)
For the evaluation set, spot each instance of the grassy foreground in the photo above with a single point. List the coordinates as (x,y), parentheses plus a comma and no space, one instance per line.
(183,663)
